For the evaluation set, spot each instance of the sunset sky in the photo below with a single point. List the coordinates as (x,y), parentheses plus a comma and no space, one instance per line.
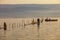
(29,1)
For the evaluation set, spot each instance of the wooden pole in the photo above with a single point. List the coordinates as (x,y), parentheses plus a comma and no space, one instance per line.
(5,26)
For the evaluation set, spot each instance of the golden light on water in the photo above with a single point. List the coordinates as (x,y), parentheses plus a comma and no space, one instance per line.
(47,30)
(29,1)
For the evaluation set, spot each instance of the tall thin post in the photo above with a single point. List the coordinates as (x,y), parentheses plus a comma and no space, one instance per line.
(5,26)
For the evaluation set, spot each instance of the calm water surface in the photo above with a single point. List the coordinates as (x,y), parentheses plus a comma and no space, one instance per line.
(16,30)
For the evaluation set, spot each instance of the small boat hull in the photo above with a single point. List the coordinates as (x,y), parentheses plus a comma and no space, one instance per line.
(47,20)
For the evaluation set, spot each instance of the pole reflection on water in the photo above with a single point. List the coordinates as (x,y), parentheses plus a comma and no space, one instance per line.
(38,25)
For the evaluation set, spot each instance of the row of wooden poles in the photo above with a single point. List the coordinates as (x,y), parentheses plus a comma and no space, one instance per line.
(38,24)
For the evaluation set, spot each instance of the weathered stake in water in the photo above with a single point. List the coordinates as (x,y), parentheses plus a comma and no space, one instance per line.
(5,26)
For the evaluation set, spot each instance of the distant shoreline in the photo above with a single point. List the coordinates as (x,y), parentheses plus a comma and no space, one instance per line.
(29,17)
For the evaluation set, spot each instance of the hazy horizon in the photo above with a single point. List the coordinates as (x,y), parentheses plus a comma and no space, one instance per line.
(29,10)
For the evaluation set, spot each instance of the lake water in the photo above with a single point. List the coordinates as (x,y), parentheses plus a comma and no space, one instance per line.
(17,31)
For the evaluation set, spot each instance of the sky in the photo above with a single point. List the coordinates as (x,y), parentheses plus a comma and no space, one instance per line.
(29,1)
(29,10)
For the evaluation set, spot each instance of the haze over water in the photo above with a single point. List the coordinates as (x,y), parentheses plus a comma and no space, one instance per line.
(16,16)
(29,10)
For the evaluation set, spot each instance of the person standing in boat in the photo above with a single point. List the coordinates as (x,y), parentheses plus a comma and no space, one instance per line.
(5,26)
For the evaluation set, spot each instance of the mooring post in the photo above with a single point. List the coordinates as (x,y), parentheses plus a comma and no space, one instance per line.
(5,26)
(38,23)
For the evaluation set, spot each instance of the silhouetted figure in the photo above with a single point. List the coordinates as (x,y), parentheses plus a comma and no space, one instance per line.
(5,26)
(38,22)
